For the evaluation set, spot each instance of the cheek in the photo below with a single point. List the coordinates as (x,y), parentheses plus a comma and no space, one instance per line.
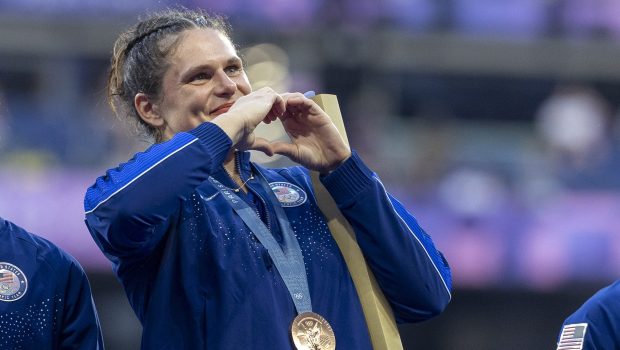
(187,112)
(194,102)
(197,106)
(190,121)
(197,112)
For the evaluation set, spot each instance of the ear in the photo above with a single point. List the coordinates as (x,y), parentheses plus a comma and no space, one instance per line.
(147,110)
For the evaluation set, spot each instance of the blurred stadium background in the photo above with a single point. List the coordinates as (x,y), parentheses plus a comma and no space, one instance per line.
(495,122)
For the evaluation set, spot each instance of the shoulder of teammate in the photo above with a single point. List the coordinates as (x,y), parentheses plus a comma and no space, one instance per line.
(596,323)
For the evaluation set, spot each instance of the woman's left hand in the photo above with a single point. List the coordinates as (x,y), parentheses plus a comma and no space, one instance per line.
(315,141)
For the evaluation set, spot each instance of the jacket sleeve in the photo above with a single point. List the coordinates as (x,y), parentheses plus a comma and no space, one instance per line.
(80,324)
(129,209)
(596,324)
(412,273)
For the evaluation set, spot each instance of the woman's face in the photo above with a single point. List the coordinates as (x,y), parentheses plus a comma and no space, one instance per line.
(204,77)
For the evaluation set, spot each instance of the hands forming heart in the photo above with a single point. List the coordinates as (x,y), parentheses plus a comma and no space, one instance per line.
(315,142)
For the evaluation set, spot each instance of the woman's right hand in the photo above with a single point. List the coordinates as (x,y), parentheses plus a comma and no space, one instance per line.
(239,122)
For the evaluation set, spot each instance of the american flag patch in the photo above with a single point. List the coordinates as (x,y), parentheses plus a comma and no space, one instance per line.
(572,336)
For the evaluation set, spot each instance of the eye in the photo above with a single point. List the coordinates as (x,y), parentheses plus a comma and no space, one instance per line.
(200,76)
(233,70)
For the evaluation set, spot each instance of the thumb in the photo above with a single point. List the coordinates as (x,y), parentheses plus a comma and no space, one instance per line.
(262,145)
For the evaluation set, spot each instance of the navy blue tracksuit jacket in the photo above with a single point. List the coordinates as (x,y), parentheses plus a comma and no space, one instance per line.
(596,324)
(45,298)
(198,278)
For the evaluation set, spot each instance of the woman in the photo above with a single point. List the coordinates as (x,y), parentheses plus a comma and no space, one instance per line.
(208,255)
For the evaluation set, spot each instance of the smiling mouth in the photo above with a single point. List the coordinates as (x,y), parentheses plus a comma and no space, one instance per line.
(222,109)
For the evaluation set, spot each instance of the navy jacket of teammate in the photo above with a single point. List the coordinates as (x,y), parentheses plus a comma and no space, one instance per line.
(596,324)
(45,298)
(197,277)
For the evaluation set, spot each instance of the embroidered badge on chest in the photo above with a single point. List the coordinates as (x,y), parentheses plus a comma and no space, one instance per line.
(288,195)
(13,282)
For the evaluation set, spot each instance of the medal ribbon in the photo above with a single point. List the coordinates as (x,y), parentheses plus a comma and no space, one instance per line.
(287,258)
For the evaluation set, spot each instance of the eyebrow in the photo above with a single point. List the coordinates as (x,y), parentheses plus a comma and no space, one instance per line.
(207,66)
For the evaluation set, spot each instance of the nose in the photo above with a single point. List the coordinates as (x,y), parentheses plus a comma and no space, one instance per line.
(224,85)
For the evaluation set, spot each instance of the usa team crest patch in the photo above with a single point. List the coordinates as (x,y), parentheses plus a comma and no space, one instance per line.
(572,336)
(288,195)
(13,282)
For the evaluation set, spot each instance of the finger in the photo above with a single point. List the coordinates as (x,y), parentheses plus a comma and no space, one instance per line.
(262,145)
(297,105)
(277,109)
(294,98)
(301,104)
(286,149)
(269,117)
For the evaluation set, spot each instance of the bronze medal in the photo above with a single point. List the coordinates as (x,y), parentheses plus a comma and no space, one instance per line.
(310,331)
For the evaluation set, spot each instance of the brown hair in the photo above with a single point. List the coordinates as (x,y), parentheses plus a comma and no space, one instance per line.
(139,59)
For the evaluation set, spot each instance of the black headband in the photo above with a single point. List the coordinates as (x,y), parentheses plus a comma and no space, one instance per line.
(144,35)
